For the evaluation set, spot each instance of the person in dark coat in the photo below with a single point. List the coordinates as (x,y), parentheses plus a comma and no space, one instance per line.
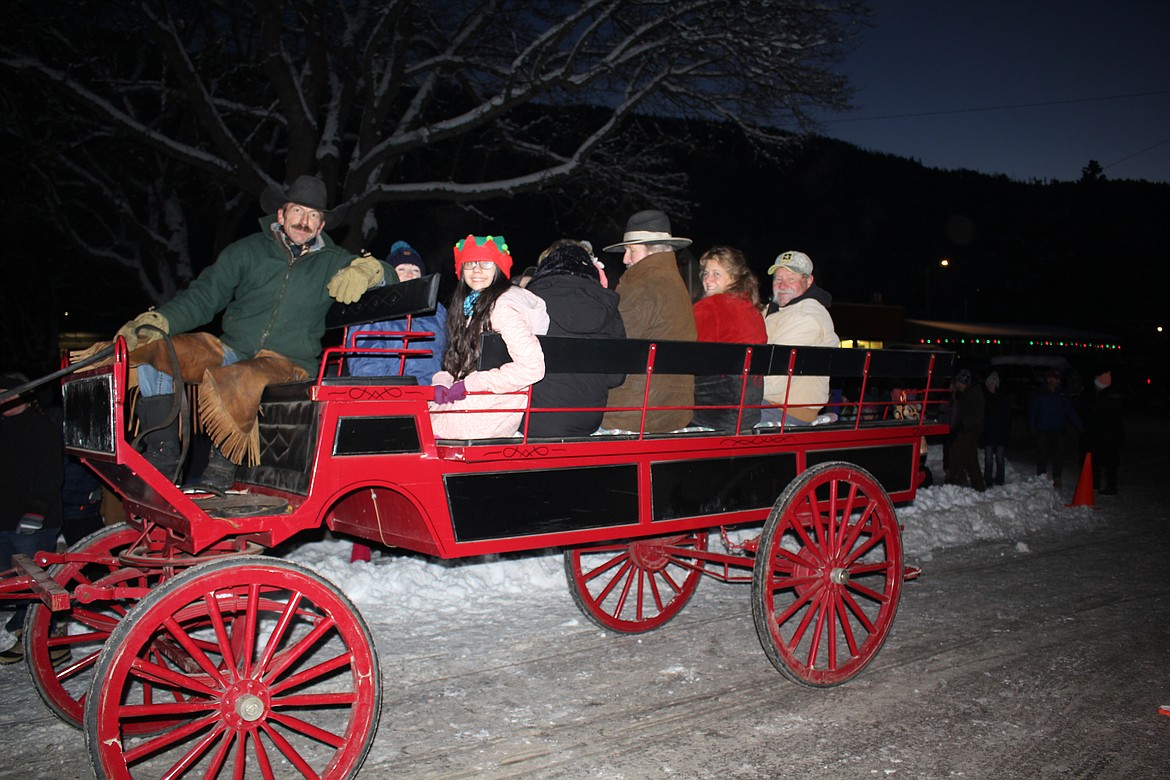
(1104,432)
(967,430)
(997,428)
(31,474)
(578,305)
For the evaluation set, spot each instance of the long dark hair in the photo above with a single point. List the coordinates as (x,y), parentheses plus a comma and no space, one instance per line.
(463,332)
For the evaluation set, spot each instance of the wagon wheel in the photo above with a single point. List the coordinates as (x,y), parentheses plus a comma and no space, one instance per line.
(827,575)
(249,666)
(635,586)
(74,637)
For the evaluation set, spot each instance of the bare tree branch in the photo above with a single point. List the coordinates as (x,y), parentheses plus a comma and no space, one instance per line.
(391,100)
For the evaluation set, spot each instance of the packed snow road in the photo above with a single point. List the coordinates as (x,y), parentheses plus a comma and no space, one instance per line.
(1035,646)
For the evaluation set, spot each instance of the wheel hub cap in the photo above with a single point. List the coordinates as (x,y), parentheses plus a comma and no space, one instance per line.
(250,708)
(245,702)
(839,576)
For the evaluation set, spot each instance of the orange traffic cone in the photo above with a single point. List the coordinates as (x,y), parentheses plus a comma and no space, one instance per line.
(1083,496)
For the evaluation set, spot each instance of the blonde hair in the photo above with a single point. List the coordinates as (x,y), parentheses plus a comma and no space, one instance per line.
(744,283)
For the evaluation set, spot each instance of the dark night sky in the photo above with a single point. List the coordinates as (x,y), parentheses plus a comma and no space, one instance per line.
(931,76)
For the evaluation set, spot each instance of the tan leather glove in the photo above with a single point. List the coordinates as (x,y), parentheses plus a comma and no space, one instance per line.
(348,284)
(134,339)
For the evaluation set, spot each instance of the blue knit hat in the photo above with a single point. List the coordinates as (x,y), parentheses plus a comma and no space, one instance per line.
(403,253)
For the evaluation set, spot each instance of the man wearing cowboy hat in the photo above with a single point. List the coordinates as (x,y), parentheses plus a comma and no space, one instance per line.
(274,289)
(654,305)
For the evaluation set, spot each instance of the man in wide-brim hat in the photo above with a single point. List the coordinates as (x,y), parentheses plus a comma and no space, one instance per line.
(647,232)
(306,191)
(274,289)
(655,304)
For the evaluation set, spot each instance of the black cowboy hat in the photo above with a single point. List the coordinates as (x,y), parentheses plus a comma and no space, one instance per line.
(307,191)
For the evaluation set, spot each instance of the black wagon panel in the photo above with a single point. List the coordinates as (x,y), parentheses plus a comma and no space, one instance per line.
(893,465)
(523,503)
(708,486)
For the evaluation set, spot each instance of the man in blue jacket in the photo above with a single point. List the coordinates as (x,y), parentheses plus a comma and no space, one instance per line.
(1050,413)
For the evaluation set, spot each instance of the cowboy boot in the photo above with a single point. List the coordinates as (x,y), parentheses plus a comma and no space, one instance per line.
(161,447)
(220,473)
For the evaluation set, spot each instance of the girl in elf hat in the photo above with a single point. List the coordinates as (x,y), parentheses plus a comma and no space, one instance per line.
(485,301)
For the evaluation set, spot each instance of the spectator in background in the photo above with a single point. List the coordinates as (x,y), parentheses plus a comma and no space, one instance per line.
(568,282)
(1050,413)
(967,429)
(654,305)
(485,301)
(729,311)
(997,428)
(797,316)
(31,475)
(81,493)
(407,264)
(1104,436)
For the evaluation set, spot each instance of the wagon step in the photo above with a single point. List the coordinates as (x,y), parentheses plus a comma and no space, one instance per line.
(45,587)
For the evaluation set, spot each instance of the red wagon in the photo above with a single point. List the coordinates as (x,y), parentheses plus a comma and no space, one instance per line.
(191,652)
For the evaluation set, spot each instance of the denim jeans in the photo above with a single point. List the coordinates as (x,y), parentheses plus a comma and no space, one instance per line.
(12,543)
(776,416)
(152,382)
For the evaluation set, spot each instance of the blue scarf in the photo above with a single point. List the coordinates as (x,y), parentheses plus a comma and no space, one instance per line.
(469,303)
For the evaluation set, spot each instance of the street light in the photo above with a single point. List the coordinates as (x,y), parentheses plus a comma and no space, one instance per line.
(944,263)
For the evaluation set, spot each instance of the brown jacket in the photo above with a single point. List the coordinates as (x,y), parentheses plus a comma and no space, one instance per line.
(654,305)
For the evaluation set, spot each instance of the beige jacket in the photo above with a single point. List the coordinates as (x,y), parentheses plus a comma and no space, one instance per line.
(804,322)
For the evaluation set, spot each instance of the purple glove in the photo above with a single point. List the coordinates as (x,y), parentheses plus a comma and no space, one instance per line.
(449,395)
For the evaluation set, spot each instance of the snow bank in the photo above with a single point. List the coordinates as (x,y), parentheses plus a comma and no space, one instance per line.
(942,516)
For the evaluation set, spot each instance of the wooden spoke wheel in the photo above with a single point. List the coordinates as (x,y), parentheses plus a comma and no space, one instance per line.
(248,667)
(73,638)
(827,575)
(638,585)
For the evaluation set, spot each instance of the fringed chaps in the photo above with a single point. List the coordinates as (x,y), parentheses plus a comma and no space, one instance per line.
(230,399)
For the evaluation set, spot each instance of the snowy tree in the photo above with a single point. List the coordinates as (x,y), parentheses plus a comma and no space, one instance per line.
(165,116)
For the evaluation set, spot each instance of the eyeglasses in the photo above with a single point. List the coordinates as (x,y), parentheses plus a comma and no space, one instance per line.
(484,264)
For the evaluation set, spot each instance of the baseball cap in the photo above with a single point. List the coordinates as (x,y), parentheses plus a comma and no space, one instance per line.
(797,262)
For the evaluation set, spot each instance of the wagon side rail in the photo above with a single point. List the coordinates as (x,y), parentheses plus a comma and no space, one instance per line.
(911,383)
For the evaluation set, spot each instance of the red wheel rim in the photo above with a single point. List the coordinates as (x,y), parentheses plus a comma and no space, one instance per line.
(81,630)
(635,586)
(828,575)
(248,666)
